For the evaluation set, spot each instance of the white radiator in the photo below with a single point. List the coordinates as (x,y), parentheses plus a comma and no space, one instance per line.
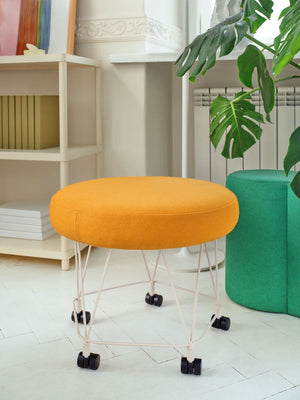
(268,153)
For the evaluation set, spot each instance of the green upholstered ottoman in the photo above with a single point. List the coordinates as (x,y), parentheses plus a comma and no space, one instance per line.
(263,251)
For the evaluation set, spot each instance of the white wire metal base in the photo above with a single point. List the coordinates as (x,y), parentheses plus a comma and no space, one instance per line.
(85,330)
(186,259)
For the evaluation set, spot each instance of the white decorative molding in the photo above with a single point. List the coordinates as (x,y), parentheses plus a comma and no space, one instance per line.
(127,29)
(163,34)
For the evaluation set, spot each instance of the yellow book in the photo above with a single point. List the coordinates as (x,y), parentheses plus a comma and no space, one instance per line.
(11,123)
(30,117)
(18,114)
(24,122)
(5,122)
(1,129)
(46,122)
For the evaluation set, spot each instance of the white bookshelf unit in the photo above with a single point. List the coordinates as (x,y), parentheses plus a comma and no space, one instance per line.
(55,247)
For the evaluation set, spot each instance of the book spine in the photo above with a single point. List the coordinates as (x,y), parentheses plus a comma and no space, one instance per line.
(7,226)
(37,123)
(46,122)
(21,213)
(5,122)
(27,235)
(43,221)
(18,122)
(11,123)
(24,118)
(1,124)
(31,121)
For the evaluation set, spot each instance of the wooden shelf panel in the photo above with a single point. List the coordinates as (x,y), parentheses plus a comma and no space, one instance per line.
(52,154)
(48,248)
(45,61)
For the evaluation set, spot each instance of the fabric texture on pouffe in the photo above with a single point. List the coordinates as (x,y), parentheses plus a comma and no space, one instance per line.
(143,212)
(262,252)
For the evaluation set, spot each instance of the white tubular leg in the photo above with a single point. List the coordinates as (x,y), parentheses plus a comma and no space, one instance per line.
(210,270)
(190,353)
(77,303)
(99,294)
(214,281)
(81,288)
(176,298)
(151,278)
(77,255)
(218,304)
(196,294)
(86,349)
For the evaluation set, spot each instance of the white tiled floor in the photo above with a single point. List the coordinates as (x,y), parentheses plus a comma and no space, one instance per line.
(258,358)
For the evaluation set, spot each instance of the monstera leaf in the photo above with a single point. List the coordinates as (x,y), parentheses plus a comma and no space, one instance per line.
(252,59)
(292,157)
(204,47)
(287,43)
(256,12)
(239,120)
(222,38)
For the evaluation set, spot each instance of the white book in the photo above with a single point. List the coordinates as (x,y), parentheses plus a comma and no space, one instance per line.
(27,235)
(25,228)
(11,219)
(33,209)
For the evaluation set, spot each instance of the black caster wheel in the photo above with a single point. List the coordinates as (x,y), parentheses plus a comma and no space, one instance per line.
(148,299)
(80,317)
(221,323)
(155,300)
(90,362)
(190,368)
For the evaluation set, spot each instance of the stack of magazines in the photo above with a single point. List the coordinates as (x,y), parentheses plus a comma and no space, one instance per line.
(25,220)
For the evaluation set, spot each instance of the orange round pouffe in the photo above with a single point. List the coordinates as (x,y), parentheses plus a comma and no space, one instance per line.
(143,212)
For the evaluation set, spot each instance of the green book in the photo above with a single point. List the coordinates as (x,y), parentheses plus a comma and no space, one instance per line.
(30,117)
(46,129)
(5,122)
(18,114)
(24,121)
(1,128)
(11,123)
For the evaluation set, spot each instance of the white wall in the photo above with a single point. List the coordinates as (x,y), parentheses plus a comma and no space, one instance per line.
(108,9)
(206,10)
(136,96)
(167,11)
(158,113)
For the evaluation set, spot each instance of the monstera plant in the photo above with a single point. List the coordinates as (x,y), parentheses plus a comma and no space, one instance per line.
(238,119)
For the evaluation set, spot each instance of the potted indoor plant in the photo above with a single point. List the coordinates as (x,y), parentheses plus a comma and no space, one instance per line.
(238,119)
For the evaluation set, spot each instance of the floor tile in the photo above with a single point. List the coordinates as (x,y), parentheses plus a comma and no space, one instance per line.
(290,394)
(256,388)
(258,358)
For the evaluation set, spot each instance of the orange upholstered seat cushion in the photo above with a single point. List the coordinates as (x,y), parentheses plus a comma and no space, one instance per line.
(143,212)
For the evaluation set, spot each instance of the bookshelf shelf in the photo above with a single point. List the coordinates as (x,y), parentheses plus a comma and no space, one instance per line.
(52,154)
(48,248)
(55,247)
(13,63)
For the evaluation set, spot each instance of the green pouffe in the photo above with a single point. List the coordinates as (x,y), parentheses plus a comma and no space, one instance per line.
(263,251)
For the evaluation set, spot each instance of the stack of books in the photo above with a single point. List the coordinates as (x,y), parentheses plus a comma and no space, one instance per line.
(25,220)
(29,122)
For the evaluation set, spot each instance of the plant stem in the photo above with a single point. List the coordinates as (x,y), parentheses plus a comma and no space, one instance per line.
(257,88)
(264,46)
(287,78)
(245,94)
